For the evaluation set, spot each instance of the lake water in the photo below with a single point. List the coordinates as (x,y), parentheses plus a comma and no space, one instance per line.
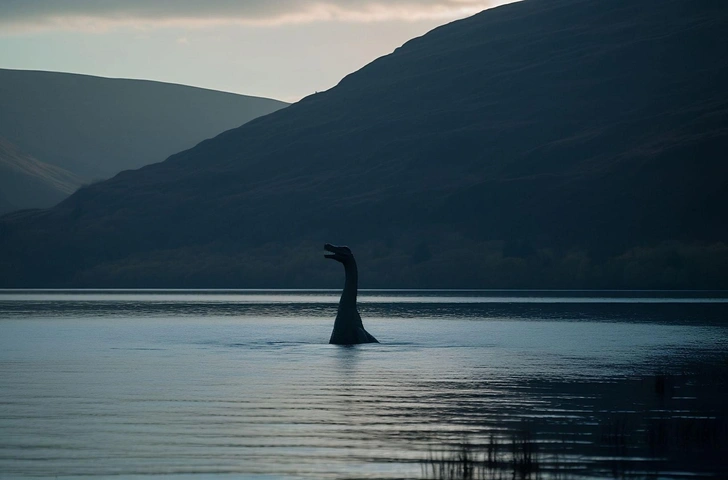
(216,384)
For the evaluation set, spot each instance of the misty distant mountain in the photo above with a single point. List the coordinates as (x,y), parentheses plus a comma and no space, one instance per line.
(96,127)
(559,143)
(31,183)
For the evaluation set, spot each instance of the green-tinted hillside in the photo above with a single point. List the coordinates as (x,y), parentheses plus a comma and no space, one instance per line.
(561,143)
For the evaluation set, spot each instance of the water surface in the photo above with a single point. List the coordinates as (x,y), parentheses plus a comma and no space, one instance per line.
(211,383)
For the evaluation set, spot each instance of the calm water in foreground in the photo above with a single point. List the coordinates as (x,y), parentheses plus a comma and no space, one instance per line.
(243,383)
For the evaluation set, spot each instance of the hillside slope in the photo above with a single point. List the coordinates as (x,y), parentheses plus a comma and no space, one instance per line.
(31,183)
(561,143)
(96,127)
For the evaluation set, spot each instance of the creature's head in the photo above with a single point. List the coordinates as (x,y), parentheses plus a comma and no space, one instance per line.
(340,254)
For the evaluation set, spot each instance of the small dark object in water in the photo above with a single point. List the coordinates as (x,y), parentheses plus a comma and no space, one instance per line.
(348,327)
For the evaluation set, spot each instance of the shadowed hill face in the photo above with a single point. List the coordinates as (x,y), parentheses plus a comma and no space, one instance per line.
(5,204)
(572,126)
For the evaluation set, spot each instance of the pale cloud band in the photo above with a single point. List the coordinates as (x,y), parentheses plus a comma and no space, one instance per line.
(17,16)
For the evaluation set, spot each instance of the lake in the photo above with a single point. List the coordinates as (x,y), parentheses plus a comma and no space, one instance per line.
(242,383)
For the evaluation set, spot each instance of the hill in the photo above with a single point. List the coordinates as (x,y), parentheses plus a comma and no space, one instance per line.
(27,181)
(95,127)
(561,143)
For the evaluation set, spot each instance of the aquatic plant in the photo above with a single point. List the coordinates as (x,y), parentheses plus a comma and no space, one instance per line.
(517,458)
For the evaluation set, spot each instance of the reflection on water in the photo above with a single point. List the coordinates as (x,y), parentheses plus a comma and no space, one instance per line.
(242,382)
(630,306)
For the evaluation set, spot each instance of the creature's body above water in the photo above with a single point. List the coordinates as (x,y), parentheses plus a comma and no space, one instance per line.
(348,327)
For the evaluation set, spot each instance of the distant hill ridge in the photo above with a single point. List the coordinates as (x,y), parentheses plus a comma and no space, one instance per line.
(94,127)
(542,144)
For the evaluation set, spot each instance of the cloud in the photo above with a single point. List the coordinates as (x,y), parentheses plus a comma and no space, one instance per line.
(99,16)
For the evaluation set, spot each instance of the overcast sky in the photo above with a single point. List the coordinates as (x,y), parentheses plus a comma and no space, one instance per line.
(284,49)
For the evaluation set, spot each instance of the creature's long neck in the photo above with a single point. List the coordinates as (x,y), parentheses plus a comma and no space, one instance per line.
(351,285)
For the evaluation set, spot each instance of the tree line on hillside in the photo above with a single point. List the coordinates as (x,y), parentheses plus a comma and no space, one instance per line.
(423,264)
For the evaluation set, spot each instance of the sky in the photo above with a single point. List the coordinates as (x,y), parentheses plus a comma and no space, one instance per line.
(283,49)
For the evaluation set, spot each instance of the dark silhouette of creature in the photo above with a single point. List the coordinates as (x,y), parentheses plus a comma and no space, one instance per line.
(348,328)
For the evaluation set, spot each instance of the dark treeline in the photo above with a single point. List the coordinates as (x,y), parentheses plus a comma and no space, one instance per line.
(442,262)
